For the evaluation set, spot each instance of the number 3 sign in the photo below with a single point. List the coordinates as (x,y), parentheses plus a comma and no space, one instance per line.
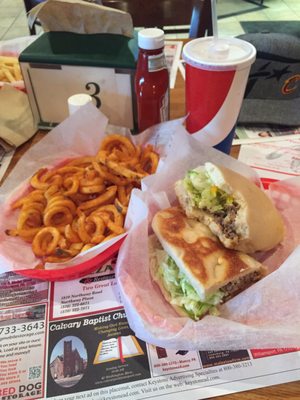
(111,89)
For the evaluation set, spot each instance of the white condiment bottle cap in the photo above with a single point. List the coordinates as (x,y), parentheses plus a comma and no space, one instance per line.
(151,38)
(78,100)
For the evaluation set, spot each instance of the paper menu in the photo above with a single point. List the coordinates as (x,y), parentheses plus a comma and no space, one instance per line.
(173,374)
(275,160)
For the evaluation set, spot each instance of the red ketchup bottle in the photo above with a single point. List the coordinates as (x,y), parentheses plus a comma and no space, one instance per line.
(151,79)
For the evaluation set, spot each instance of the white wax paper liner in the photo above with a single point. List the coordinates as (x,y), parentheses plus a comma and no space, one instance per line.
(265,315)
(78,135)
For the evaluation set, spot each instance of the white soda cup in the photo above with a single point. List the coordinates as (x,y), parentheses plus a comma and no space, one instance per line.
(217,72)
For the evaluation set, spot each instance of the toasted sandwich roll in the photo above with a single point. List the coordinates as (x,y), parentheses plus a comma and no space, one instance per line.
(194,271)
(234,208)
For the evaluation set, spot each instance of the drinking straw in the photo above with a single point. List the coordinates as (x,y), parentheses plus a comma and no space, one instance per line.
(214,19)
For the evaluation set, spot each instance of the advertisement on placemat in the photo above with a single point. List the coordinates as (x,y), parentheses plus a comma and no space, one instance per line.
(22,351)
(78,345)
(94,352)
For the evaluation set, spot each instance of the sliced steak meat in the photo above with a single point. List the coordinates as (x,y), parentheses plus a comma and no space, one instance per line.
(233,288)
(225,218)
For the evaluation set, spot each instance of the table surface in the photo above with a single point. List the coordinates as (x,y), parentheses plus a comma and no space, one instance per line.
(177,101)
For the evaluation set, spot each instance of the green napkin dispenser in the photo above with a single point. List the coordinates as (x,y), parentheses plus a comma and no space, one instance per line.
(59,64)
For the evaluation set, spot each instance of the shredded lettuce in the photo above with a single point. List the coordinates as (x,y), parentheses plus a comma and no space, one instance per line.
(203,193)
(182,292)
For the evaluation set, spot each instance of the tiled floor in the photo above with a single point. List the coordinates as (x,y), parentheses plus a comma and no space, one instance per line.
(274,10)
(13,21)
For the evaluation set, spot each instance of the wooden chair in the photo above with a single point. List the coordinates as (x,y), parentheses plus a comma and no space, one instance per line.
(29,4)
(164,13)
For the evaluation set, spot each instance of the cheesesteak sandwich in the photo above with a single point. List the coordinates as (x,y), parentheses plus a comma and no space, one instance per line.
(234,208)
(193,270)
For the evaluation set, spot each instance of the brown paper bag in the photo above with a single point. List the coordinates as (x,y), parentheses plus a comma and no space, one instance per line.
(16,120)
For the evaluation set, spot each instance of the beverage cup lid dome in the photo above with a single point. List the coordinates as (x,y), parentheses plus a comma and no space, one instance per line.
(151,38)
(219,54)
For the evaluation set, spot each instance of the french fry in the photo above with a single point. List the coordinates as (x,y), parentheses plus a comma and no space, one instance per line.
(17,72)
(10,78)
(8,60)
(10,71)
